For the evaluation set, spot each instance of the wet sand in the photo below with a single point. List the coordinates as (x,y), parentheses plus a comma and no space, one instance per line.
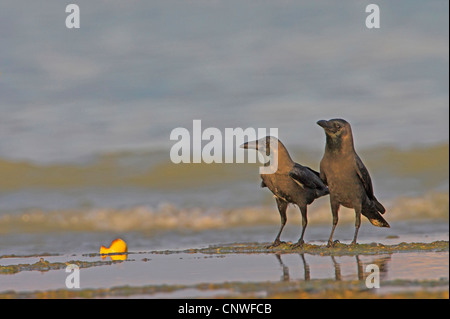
(237,270)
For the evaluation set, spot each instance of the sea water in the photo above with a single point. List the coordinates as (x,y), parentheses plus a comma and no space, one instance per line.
(86,117)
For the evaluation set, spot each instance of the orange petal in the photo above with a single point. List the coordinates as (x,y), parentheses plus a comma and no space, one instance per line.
(117,246)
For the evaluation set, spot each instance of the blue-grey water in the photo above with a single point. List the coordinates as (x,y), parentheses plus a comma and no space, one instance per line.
(86,113)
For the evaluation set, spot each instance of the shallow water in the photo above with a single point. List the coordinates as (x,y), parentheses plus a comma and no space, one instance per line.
(186,272)
(90,240)
(86,118)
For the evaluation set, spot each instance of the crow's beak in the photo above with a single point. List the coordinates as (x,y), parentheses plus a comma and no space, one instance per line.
(323,123)
(250,145)
(327,125)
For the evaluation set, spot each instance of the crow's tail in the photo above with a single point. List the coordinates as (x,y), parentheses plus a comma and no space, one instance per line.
(378,205)
(373,214)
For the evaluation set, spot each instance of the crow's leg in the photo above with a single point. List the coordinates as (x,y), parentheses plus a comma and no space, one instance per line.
(334,210)
(282,206)
(357,223)
(304,211)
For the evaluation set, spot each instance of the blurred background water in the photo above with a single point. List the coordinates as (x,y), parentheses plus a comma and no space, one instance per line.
(86,113)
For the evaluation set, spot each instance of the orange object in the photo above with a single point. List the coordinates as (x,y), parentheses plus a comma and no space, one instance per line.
(118,246)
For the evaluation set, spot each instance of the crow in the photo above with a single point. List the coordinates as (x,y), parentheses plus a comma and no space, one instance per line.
(347,178)
(291,183)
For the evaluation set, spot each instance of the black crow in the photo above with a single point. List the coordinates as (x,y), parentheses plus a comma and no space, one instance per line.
(347,178)
(290,182)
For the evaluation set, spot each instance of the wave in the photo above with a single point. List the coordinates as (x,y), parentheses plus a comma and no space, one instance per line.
(168,217)
(429,165)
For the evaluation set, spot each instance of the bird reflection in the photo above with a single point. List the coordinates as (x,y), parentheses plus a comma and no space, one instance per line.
(337,269)
(380,261)
(285,276)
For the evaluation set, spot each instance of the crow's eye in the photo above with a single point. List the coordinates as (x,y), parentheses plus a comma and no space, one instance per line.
(338,126)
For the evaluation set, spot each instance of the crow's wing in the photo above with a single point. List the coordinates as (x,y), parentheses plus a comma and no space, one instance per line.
(306,177)
(364,176)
